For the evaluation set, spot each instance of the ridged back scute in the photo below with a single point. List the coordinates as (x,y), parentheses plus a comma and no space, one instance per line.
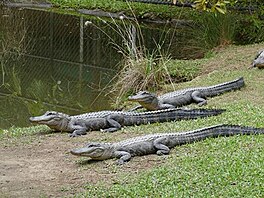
(196,135)
(210,90)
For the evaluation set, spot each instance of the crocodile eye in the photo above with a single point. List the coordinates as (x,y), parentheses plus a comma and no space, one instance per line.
(143,92)
(49,113)
(91,145)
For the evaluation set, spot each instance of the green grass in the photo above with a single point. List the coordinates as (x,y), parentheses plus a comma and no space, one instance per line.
(222,167)
(15,132)
(184,70)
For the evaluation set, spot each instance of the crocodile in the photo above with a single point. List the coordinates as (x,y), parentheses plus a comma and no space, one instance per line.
(157,143)
(183,97)
(259,60)
(110,121)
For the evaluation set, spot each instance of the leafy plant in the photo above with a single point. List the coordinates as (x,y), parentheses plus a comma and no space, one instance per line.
(212,5)
(250,30)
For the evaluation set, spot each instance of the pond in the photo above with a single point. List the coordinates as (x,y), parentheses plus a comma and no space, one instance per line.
(63,62)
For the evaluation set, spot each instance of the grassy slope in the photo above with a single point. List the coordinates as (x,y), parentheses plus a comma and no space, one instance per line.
(222,167)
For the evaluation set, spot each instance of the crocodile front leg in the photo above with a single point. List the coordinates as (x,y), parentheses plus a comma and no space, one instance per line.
(78,132)
(123,157)
(196,96)
(79,129)
(136,108)
(165,106)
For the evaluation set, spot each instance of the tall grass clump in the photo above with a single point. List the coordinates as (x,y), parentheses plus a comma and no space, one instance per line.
(140,69)
(12,47)
(213,30)
(142,72)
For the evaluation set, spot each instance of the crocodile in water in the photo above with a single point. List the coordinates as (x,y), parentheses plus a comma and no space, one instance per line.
(158,143)
(183,97)
(111,121)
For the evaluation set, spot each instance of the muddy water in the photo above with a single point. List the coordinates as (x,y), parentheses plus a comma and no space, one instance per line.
(52,61)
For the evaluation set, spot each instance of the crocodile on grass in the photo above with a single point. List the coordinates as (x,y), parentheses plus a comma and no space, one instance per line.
(183,97)
(259,60)
(110,121)
(158,143)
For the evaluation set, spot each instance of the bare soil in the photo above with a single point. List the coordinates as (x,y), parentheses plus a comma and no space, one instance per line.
(41,166)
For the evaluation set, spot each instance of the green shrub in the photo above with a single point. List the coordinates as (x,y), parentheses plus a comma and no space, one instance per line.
(250,29)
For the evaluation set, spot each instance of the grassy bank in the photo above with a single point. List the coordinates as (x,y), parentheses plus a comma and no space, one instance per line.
(129,8)
(141,10)
(222,167)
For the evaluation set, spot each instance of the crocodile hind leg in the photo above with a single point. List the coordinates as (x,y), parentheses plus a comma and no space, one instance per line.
(159,144)
(196,96)
(113,125)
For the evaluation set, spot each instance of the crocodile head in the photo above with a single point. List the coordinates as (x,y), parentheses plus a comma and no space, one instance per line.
(95,150)
(146,99)
(53,119)
(259,60)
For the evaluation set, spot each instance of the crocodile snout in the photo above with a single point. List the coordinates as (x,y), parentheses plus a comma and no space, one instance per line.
(31,119)
(35,119)
(130,98)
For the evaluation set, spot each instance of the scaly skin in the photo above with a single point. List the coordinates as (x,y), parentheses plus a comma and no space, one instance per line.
(111,121)
(183,97)
(158,143)
(259,60)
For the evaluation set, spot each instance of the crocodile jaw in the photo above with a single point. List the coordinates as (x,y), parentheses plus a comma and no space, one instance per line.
(259,65)
(259,60)
(96,151)
(41,119)
(146,99)
(142,96)
(54,120)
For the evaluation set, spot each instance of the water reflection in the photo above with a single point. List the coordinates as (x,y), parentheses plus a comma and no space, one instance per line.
(43,66)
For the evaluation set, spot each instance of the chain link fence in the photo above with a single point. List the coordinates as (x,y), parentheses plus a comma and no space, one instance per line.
(53,61)
(63,62)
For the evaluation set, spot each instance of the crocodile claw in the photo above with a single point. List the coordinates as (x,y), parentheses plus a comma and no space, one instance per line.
(120,162)
(73,135)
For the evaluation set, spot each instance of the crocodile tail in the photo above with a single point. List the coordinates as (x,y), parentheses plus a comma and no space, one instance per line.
(230,130)
(179,114)
(224,87)
(218,131)
(195,113)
